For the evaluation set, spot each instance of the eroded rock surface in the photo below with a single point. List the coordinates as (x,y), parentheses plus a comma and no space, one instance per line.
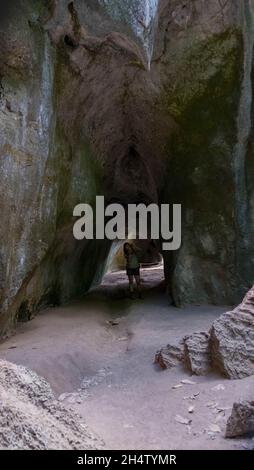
(170,356)
(31,417)
(232,340)
(241,420)
(140,102)
(228,348)
(192,352)
(197,354)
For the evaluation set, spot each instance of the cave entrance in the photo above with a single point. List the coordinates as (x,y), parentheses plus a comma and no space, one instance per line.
(114,282)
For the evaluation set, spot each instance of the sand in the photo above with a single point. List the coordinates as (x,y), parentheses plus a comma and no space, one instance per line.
(105,371)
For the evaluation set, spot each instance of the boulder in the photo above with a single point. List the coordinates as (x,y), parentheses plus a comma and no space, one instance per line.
(32,418)
(228,348)
(170,356)
(241,420)
(192,351)
(232,340)
(196,353)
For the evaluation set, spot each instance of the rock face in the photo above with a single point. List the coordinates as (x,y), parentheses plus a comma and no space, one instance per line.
(31,417)
(140,101)
(193,352)
(241,421)
(228,348)
(170,356)
(232,340)
(202,93)
(197,354)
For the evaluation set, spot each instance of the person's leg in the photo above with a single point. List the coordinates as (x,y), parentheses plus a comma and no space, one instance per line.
(138,282)
(131,284)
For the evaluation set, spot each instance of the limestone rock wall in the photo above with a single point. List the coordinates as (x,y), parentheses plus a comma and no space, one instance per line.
(42,178)
(141,102)
(201,61)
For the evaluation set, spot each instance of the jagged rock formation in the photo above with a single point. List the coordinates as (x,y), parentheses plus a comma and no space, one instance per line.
(241,420)
(170,356)
(232,340)
(139,101)
(31,417)
(197,356)
(192,352)
(227,348)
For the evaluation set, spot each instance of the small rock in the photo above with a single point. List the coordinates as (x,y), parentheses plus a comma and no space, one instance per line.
(182,420)
(245,447)
(188,382)
(113,322)
(177,386)
(223,408)
(191,409)
(192,397)
(215,428)
(218,388)
(212,404)
(170,356)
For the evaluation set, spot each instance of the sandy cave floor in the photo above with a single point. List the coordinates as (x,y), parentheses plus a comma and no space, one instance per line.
(106,372)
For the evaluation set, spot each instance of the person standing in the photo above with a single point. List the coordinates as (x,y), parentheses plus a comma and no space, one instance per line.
(132,268)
